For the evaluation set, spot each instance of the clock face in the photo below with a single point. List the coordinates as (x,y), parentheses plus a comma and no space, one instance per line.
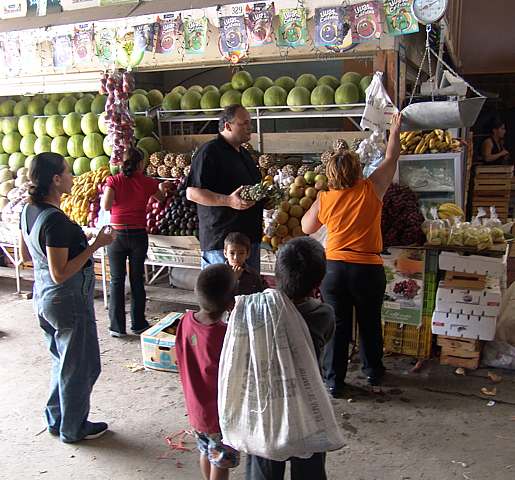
(429,11)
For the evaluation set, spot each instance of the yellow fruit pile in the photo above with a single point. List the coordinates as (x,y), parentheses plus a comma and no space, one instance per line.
(435,141)
(450,211)
(84,192)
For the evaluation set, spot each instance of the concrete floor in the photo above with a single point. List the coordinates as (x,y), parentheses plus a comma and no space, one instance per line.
(428,425)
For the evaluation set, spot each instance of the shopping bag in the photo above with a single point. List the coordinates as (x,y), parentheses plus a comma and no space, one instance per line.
(378,106)
(271,398)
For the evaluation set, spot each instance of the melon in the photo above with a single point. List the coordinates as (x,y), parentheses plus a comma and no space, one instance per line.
(16,161)
(1,138)
(28,161)
(102,123)
(155,98)
(307,80)
(106,145)
(54,126)
(252,97)
(351,77)
(93,145)
(54,97)
(4,159)
(36,106)
(98,104)
(285,82)
(114,169)
(139,91)
(196,88)
(26,124)
(21,108)
(66,105)
(89,123)
(208,88)
(191,101)
(210,99)
(225,88)
(179,89)
(51,108)
(346,93)
(10,125)
(172,101)
(7,107)
(98,162)
(74,146)
(70,161)
(42,144)
(59,145)
(322,95)
(231,97)
(144,126)
(83,105)
(363,85)
(330,81)
(242,80)
(72,124)
(275,96)
(263,83)
(27,144)
(150,144)
(138,103)
(81,165)
(11,142)
(40,127)
(298,96)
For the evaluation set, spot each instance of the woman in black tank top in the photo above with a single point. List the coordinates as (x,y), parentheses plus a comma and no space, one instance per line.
(493,150)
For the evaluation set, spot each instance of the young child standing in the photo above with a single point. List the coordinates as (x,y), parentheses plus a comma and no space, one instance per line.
(237,251)
(299,271)
(199,341)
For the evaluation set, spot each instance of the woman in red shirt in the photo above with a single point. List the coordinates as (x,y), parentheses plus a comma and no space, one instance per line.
(126,197)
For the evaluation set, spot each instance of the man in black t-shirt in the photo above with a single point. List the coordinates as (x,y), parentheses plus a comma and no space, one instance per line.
(218,171)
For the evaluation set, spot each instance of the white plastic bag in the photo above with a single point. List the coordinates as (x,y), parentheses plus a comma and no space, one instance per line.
(379,107)
(271,398)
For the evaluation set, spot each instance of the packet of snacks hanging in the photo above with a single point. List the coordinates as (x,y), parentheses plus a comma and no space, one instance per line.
(233,35)
(195,33)
(365,19)
(293,29)
(399,17)
(258,20)
(168,25)
(83,47)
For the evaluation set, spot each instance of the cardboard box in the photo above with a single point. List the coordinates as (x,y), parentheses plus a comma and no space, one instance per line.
(490,296)
(452,261)
(158,344)
(465,326)
(466,308)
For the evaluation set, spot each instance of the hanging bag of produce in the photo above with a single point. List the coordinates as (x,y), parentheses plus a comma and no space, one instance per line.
(271,398)
(378,106)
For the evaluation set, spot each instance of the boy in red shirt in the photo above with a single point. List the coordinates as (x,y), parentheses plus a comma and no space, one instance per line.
(199,341)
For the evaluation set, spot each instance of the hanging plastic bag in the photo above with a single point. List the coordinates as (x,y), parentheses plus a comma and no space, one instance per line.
(271,398)
(379,107)
(371,152)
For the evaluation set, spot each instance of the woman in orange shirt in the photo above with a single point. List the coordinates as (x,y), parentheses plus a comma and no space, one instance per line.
(351,211)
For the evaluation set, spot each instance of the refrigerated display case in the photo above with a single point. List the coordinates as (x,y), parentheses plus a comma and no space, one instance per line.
(437,178)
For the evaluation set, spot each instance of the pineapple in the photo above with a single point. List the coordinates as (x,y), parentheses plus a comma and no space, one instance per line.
(289,171)
(169,160)
(182,160)
(320,169)
(163,171)
(261,191)
(266,161)
(272,171)
(157,158)
(355,143)
(326,156)
(186,170)
(302,170)
(340,144)
(176,172)
(151,170)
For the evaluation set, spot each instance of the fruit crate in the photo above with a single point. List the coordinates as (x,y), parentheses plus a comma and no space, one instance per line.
(409,339)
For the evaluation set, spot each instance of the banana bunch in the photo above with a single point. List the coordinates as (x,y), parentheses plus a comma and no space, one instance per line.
(435,141)
(83,194)
(450,211)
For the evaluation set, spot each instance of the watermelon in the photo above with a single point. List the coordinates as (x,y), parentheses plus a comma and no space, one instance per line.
(40,127)
(138,103)
(172,101)
(54,126)
(42,144)
(322,95)
(26,124)
(11,142)
(210,99)
(51,108)
(191,101)
(106,145)
(275,96)
(307,80)
(21,108)
(225,88)
(231,97)
(98,104)
(67,105)
(102,124)
(196,88)
(81,165)
(74,146)
(83,105)
(16,161)
(1,138)
(263,83)
(330,81)
(72,124)
(252,97)
(10,125)
(59,146)
(89,123)
(36,106)
(27,144)
(242,80)
(150,144)
(155,98)
(93,145)
(351,77)
(98,162)
(4,159)
(346,93)
(180,89)
(28,161)
(144,127)
(7,107)
(285,82)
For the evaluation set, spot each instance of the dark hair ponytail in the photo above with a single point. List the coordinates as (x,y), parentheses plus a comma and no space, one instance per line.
(134,157)
(41,174)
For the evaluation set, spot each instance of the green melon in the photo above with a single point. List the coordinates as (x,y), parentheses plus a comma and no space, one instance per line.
(106,145)
(225,88)
(93,145)
(51,108)
(28,161)
(330,81)
(27,144)
(307,80)
(191,101)
(285,82)
(180,89)
(155,98)
(89,123)
(7,108)
(81,165)
(363,85)
(172,101)
(26,124)
(143,128)
(196,88)
(231,97)
(70,161)
(150,144)
(346,93)
(21,108)
(83,105)
(42,144)
(252,97)
(98,104)
(1,138)
(98,162)
(114,169)
(102,123)
(351,77)
(54,126)
(213,88)
(275,96)
(11,142)
(263,83)
(10,124)
(59,145)
(40,127)
(72,124)
(16,161)
(4,159)
(66,105)
(36,106)
(139,91)
(242,80)
(54,97)
(210,99)
(138,103)
(74,146)
(322,95)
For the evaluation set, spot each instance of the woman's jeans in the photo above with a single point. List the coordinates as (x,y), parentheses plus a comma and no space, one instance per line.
(347,286)
(132,245)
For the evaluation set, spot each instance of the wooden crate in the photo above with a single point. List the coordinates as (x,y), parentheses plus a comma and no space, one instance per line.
(459,352)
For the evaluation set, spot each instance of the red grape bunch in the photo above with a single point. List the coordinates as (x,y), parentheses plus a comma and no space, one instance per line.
(406,288)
